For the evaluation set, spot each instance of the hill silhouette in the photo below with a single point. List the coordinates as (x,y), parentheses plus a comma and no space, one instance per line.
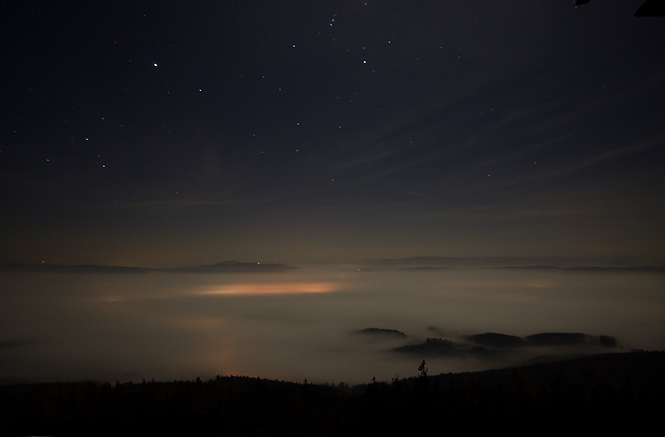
(383,332)
(617,392)
(235,267)
(491,343)
(221,267)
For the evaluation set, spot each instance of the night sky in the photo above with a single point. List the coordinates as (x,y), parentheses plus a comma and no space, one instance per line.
(166,133)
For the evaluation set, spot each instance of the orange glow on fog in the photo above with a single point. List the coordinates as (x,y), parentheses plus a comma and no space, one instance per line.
(288,288)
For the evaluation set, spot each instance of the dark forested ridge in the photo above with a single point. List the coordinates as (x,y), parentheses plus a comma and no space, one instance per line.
(490,342)
(602,392)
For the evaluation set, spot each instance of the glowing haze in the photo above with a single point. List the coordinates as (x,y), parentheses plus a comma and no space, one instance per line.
(164,325)
(369,164)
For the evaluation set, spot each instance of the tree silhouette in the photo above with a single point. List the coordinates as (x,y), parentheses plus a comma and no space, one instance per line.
(423,370)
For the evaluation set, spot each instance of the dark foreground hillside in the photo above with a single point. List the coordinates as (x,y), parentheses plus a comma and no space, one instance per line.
(600,393)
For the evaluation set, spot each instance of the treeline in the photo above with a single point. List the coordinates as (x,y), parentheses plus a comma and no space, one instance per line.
(605,392)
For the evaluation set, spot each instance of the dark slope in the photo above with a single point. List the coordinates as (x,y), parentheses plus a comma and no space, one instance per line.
(601,393)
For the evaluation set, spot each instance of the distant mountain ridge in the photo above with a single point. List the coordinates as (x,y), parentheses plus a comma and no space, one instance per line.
(83,268)
(236,266)
(221,267)
(434,263)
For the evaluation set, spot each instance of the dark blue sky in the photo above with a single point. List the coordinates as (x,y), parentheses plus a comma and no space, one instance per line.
(164,133)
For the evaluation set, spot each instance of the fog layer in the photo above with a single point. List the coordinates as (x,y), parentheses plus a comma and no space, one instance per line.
(306,323)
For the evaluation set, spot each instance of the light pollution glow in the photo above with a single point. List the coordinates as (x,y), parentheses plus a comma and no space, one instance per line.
(262,289)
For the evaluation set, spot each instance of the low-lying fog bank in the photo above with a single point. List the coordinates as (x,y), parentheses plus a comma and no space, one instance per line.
(307,323)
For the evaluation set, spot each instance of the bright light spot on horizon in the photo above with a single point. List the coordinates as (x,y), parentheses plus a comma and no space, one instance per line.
(258,289)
